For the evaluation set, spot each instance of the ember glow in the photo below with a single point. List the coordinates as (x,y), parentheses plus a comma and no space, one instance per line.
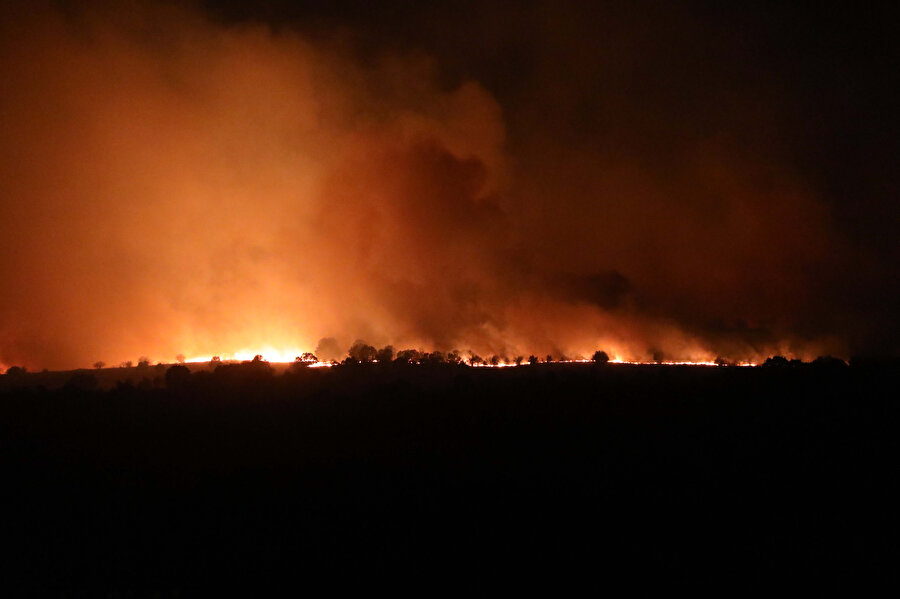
(269,354)
(183,181)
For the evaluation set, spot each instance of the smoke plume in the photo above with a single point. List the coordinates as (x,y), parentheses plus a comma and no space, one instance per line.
(176,183)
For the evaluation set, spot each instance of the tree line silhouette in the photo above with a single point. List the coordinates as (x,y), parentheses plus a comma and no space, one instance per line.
(363,353)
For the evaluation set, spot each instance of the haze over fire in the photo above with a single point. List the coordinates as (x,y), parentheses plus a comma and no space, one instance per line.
(177,183)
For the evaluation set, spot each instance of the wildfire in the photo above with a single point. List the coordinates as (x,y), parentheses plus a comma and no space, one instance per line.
(270,354)
(275,355)
(617,361)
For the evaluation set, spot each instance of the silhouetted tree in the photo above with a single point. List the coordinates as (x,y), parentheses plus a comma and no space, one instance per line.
(126,364)
(180,358)
(549,358)
(304,360)
(600,357)
(143,362)
(518,360)
(453,357)
(215,361)
(361,351)
(408,356)
(433,358)
(16,370)
(99,364)
(475,359)
(385,354)
(532,359)
(495,359)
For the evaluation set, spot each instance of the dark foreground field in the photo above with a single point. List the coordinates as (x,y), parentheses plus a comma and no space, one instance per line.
(452,477)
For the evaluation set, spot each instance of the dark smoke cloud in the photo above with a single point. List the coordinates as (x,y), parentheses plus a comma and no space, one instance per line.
(181,181)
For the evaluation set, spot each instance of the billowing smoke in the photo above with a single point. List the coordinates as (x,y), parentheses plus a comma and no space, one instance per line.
(174,184)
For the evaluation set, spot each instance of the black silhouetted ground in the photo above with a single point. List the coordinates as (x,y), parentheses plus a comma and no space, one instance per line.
(452,477)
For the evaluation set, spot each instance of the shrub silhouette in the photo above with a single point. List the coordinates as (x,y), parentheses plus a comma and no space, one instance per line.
(776,361)
(600,357)
(828,362)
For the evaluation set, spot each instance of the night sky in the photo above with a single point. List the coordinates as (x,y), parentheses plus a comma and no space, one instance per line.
(689,180)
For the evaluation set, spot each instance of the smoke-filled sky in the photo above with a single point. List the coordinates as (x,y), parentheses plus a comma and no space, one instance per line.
(501,177)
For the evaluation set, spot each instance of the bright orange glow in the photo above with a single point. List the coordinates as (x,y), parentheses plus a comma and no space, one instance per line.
(269,353)
(237,191)
(284,356)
